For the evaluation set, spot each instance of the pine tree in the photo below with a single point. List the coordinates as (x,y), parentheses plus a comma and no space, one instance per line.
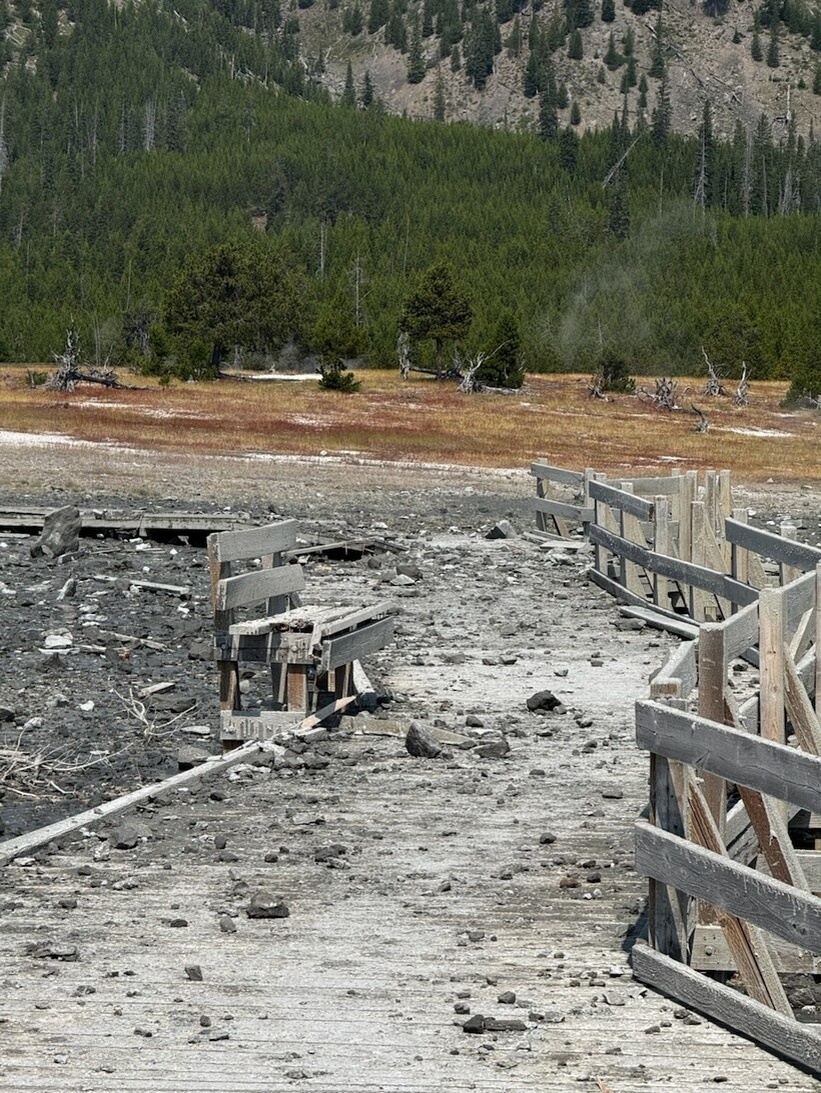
(630,76)
(416,59)
(657,68)
(579,13)
(349,93)
(618,218)
(568,149)
(608,11)
(367,95)
(816,81)
(755,46)
(427,18)
(575,49)
(548,117)
(504,366)
(575,114)
(531,76)
(378,15)
(439,102)
(815,33)
(353,21)
(772,48)
(515,40)
(395,33)
(612,58)
(662,116)
(436,311)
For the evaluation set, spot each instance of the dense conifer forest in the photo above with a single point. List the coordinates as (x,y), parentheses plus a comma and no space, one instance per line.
(137,139)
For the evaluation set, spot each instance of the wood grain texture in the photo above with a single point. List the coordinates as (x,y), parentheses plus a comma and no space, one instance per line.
(738,756)
(801,1043)
(233,546)
(792,915)
(768,545)
(259,586)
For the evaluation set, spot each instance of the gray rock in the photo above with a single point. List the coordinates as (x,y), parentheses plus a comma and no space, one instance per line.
(60,535)
(329,853)
(421,743)
(409,569)
(474,1024)
(127,835)
(503,530)
(264,905)
(6,714)
(191,756)
(505,1024)
(494,749)
(542,700)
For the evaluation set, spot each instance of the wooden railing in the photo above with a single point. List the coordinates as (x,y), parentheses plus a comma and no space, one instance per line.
(729,892)
(735,771)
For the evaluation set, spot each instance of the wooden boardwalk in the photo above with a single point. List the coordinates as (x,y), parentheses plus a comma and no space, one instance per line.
(355,991)
(444,896)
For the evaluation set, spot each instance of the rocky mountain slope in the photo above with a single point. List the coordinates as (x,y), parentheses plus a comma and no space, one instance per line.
(705,58)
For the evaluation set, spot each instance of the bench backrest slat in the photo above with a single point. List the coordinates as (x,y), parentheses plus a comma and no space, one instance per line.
(235,546)
(257,587)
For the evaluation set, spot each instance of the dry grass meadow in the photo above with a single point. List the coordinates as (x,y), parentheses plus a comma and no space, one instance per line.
(420,420)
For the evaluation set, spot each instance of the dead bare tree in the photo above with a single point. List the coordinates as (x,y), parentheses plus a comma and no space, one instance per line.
(70,371)
(403,351)
(469,384)
(465,369)
(713,387)
(664,396)
(596,387)
(742,394)
(703,423)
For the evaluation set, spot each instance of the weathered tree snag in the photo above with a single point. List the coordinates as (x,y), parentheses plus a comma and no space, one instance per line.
(69,372)
(403,351)
(703,423)
(596,387)
(713,387)
(742,395)
(664,396)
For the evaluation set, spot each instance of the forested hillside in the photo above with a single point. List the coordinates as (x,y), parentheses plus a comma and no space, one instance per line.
(134,139)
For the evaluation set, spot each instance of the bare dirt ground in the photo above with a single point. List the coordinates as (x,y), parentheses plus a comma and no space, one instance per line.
(460,878)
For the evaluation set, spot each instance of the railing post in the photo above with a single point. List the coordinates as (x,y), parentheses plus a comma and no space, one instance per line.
(771,693)
(788,573)
(661,545)
(712,685)
(739,568)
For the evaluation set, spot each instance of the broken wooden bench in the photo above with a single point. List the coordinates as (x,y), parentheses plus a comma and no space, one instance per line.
(259,620)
